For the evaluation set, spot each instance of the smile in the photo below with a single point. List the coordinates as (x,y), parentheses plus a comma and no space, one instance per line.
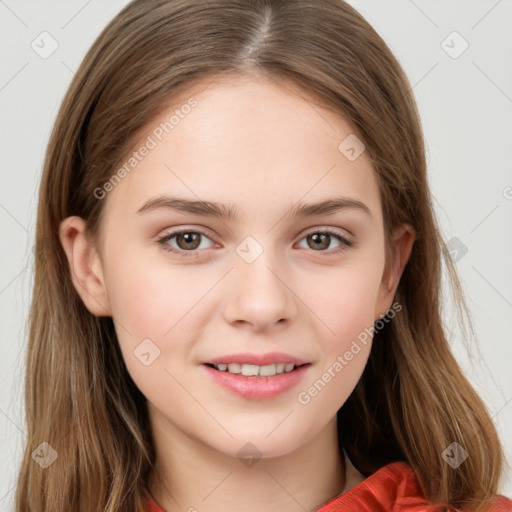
(254,370)
(255,382)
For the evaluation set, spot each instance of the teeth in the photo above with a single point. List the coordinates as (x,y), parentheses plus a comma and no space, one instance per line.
(252,370)
(268,370)
(234,368)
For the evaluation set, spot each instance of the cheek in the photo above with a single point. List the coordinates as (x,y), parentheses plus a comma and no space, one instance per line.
(344,302)
(152,307)
(162,304)
(346,309)
(150,299)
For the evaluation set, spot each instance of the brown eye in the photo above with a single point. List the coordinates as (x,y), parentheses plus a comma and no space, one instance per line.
(318,241)
(184,243)
(188,240)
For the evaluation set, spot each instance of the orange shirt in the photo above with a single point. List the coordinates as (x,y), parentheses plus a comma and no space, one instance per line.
(392,488)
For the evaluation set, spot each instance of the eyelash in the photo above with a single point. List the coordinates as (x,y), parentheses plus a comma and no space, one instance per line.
(345,243)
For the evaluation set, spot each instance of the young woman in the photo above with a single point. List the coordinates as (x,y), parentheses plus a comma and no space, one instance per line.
(237,297)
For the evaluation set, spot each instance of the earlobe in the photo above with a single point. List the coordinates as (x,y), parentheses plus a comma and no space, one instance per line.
(84,265)
(403,241)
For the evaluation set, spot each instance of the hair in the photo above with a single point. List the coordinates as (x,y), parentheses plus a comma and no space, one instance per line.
(412,400)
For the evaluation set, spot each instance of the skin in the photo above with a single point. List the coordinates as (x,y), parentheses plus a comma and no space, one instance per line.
(260,146)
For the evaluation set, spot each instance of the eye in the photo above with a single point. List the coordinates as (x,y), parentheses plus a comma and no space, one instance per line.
(188,241)
(320,240)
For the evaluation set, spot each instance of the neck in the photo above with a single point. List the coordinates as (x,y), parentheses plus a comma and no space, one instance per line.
(193,477)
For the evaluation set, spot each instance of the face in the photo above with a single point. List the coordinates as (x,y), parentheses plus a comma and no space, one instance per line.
(275,281)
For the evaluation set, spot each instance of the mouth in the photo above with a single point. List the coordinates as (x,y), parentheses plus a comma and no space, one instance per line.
(253,370)
(253,382)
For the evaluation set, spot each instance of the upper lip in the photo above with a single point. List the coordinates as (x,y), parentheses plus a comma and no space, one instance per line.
(257,359)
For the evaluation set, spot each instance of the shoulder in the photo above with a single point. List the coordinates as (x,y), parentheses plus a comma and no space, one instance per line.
(151,505)
(394,488)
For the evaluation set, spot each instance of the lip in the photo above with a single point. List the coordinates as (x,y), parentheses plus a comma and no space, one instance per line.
(257,359)
(254,387)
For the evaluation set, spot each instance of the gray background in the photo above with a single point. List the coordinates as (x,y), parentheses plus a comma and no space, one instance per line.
(465,102)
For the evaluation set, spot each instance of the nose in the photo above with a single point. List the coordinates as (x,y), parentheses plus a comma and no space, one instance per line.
(260,295)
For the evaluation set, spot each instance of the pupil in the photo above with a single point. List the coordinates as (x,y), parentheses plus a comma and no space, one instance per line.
(317,238)
(189,239)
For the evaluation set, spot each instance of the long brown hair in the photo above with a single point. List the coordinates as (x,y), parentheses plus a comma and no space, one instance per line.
(412,401)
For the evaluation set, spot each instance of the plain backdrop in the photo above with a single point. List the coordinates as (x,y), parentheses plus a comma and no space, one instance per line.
(457,55)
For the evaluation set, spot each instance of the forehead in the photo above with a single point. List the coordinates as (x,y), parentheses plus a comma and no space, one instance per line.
(247,142)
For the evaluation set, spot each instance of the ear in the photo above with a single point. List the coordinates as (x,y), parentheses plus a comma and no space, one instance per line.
(402,243)
(85,265)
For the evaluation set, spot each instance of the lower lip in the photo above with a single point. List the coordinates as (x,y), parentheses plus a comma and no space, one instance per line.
(257,388)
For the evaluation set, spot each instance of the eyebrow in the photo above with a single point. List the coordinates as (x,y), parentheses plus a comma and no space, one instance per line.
(229,212)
